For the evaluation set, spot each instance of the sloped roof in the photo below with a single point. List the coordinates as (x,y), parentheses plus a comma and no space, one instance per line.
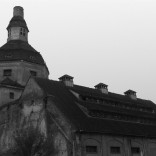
(8,82)
(68,104)
(65,76)
(20,50)
(17,21)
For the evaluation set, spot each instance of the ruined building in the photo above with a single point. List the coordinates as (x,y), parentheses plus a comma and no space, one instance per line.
(84,121)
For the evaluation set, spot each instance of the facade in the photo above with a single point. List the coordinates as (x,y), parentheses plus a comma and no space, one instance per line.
(83,121)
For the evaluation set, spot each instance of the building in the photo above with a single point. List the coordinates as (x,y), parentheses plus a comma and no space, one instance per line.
(84,121)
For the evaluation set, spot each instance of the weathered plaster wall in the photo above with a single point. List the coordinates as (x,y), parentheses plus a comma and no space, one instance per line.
(61,127)
(5,95)
(32,91)
(38,110)
(20,116)
(21,71)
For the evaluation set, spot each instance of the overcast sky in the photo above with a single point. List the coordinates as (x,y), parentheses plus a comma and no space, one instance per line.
(108,41)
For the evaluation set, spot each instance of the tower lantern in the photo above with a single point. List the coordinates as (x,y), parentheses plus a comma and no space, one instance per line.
(17,28)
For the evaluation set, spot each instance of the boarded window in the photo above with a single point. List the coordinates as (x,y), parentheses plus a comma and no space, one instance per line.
(91,149)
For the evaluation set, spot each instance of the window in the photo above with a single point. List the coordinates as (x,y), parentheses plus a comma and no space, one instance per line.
(11,95)
(33,73)
(7,72)
(22,32)
(91,149)
(115,150)
(9,33)
(135,150)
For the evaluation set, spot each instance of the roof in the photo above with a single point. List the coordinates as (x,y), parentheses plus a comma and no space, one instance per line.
(129,91)
(17,50)
(79,112)
(10,83)
(17,21)
(66,77)
(99,85)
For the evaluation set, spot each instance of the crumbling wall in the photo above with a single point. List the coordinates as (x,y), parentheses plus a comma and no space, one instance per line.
(20,116)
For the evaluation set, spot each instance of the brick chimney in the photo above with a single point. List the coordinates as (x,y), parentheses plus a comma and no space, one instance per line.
(102,87)
(67,80)
(131,94)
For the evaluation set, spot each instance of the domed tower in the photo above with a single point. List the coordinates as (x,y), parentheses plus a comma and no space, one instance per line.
(18,59)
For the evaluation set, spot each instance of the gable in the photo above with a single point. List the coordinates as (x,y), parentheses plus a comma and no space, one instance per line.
(32,90)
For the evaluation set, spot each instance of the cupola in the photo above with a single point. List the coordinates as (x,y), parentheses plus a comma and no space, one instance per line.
(17,28)
(102,87)
(131,94)
(67,80)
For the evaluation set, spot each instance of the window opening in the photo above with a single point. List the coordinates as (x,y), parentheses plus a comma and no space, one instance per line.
(9,33)
(22,32)
(33,73)
(7,72)
(135,150)
(11,95)
(115,150)
(91,149)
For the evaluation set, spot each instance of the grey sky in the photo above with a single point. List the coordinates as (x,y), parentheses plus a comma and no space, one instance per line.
(109,41)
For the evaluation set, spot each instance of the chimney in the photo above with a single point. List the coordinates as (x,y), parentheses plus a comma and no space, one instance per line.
(18,11)
(67,80)
(131,94)
(102,87)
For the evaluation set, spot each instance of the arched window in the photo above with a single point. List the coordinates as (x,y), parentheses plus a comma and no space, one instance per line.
(115,147)
(136,149)
(91,147)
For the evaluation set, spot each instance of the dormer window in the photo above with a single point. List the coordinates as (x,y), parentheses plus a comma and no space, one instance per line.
(22,32)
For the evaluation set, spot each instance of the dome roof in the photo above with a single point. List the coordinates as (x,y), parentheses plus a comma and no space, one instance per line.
(17,50)
(17,21)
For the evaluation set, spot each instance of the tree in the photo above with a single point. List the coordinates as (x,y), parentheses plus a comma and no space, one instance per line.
(30,142)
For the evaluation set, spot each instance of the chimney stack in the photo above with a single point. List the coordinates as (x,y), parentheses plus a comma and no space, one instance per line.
(18,11)
(67,80)
(102,87)
(131,94)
